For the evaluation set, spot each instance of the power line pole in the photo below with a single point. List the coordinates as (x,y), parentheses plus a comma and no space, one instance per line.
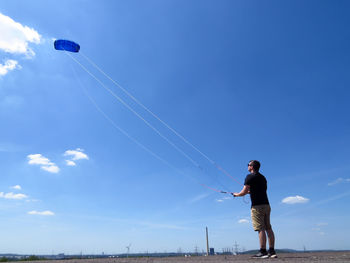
(236,248)
(196,250)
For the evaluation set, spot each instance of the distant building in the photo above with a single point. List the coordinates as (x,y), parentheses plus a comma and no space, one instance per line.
(211,251)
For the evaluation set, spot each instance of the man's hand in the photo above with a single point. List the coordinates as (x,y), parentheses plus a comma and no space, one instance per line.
(245,190)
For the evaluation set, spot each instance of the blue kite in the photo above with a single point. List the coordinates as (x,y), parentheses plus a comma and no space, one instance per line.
(67,45)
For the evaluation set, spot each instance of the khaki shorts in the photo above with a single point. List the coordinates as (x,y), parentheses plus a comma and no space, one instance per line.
(261,217)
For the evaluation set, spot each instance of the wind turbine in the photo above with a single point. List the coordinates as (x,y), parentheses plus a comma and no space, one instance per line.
(128,250)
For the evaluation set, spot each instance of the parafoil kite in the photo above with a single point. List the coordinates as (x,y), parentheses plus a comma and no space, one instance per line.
(67,45)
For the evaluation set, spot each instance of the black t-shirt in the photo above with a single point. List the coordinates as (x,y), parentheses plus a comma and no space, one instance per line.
(258,187)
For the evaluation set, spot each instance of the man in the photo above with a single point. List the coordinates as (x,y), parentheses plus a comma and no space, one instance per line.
(256,185)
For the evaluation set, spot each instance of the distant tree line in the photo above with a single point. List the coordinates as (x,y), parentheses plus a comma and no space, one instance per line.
(30,258)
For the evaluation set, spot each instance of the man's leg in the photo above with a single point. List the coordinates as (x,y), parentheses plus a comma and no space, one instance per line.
(262,239)
(258,225)
(269,231)
(271,237)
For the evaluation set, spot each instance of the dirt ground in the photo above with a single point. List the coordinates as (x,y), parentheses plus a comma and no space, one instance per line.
(284,257)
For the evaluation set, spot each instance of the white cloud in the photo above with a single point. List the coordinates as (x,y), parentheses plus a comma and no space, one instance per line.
(9,65)
(243,221)
(15,37)
(45,163)
(13,196)
(295,200)
(17,187)
(70,163)
(51,169)
(38,159)
(76,154)
(338,181)
(43,213)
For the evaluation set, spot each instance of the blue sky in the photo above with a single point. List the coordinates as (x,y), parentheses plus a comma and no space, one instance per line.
(240,80)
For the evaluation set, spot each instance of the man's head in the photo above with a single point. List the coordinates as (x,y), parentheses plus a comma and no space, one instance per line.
(253,166)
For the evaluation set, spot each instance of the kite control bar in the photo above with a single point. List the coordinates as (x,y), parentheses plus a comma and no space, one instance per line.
(224,192)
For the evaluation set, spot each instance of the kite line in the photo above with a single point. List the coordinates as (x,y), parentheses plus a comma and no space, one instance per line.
(66,45)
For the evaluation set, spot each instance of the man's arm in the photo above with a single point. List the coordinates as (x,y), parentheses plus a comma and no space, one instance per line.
(243,192)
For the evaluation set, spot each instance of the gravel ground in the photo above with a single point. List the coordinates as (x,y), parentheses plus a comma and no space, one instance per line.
(284,257)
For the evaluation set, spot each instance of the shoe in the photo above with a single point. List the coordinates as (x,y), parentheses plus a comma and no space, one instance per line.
(272,254)
(261,255)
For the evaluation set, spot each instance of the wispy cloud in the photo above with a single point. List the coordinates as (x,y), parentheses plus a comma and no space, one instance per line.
(316,203)
(43,213)
(339,180)
(45,163)
(77,154)
(243,221)
(10,147)
(319,228)
(17,187)
(13,196)
(319,231)
(162,226)
(295,200)
(198,198)
(224,199)
(333,198)
(10,102)
(32,200)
